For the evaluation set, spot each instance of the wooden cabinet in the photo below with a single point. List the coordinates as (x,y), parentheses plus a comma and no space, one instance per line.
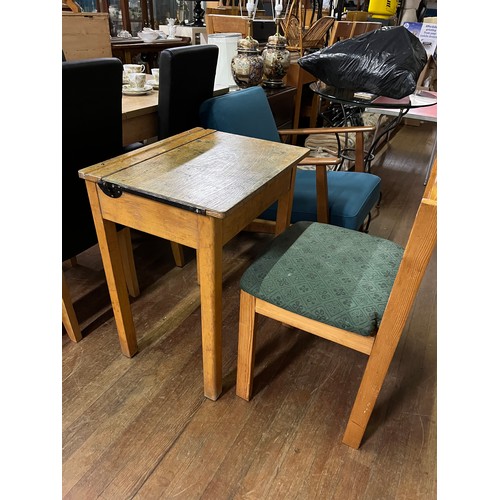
(85,35)
(282,102)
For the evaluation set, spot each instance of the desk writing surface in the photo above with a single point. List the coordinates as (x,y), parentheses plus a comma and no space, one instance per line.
(210,172)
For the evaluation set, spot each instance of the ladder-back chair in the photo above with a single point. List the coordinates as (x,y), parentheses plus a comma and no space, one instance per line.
(361,27)
(220,23)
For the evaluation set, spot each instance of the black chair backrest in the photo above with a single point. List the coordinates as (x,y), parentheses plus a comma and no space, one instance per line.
(91,132)
(187,77)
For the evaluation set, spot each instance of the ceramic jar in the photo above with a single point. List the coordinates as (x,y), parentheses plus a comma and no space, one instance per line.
(276,61)
(247,66)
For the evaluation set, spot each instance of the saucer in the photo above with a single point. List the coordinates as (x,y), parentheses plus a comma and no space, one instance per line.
(153,84)
(127,90)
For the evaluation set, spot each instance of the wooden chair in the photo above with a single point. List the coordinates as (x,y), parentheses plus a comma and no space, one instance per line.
(342,198)
(298,77)
(301,41)
(348,287)
(342,30)
(218,23)
(312,38)
(360,27)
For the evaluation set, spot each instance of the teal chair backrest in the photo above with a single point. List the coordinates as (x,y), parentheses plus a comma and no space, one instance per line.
(351,195)
(242,112)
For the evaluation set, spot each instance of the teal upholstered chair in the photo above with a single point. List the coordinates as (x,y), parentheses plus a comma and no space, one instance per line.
(346,286)
(341,198)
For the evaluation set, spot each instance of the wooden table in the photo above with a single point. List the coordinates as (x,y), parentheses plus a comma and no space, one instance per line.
(424,114)
(139,117)
(140,113)
(198,188)
(127,49)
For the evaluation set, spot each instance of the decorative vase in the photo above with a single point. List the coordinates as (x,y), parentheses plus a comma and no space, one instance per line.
(172,28)
(276,61)
(247,66)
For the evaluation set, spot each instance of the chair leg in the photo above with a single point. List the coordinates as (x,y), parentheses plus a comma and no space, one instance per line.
(246,346)
(369,389)
(322,214)
(178,253)
(69,319)
(125,242)
(315,106)
(359,162)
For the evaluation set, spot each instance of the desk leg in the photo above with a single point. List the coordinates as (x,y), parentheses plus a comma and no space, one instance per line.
(113,267)
(209,255)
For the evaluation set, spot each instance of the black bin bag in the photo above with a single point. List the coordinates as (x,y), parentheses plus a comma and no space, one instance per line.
(386,62)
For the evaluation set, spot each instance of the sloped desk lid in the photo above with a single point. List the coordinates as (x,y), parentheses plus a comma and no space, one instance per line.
(205,171)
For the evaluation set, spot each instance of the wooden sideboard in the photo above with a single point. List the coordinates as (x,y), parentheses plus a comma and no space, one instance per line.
(282,102)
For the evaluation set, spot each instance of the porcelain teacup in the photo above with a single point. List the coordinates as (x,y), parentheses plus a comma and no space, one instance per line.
(137,80)
(156,74)
(133,68)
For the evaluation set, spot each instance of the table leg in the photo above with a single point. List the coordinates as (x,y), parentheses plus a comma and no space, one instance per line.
(285,202)
(209,255)
(113,268)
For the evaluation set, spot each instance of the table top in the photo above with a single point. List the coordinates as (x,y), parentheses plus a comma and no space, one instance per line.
(424,113)
(370,100)
(137,43)
(138,105)
(201,170)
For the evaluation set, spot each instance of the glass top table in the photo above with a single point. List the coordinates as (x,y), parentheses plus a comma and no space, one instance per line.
(346,110)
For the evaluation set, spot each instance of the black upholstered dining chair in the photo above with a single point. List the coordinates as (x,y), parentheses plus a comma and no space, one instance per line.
(91,132)
(187,77)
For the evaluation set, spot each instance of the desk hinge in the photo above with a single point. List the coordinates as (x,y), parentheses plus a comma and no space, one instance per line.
(110,189)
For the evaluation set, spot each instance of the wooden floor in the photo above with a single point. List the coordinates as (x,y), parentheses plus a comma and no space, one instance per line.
(141,428)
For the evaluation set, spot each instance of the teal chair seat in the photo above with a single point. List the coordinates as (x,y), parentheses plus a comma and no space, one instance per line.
(351,195)
(345,282)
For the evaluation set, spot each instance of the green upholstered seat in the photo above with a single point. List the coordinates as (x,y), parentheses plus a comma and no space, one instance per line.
(334,275)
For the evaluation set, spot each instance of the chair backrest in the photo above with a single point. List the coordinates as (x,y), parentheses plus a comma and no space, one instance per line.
(341,31)
(219,23)
(187,77)
(372,26)
(91,132)
(361,27)
(245,112)
(316,33)
(418,251)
